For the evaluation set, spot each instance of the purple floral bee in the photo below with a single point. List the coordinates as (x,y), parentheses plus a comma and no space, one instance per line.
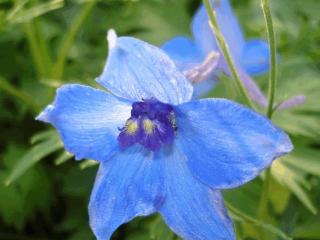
(159,150)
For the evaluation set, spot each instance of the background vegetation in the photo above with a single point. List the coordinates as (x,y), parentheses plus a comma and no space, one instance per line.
(43,44)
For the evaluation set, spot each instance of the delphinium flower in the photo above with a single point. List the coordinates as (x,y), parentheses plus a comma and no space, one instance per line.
(202,61)
(159,150)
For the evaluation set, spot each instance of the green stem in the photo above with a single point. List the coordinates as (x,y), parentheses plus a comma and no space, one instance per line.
(25,98)
(69,39)
(273,57)
(263,213)
(264,200)
(263,207)
(225,50)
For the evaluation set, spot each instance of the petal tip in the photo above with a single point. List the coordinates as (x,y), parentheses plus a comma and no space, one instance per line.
(44,116)
(112,38)
(286,146)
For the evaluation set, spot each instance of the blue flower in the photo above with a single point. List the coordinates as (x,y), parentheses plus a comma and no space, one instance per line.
(160,151)
(250,57)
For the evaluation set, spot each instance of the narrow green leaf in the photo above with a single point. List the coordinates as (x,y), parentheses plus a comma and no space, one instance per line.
(306,159)
(69,39)
(301,195)
(87,163)
(23,15)
(289,178)
(62,158)
(308,230)
(34,155)
(43,135)
(241,216)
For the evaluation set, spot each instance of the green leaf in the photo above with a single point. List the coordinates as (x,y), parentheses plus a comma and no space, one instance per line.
(34,155)
(159,230)
(279,196)
(306,159)
(87,163)
(78,183)
(22,200)
(245,198)
(62,158)
(43,135)
(308,230)
(19,14)
(292,179)
(241,216)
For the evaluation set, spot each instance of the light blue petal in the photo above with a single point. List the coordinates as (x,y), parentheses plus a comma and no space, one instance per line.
(127,186)
(87,120)
(228,24)
(255,57)
(137,70)
(191,209)
(227,144)
(183,52)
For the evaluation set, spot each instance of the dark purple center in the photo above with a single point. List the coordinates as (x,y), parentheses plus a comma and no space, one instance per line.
(152,123)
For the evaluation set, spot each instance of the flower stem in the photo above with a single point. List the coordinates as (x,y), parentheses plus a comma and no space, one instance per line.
(273,67)
(264,200)
(225,50)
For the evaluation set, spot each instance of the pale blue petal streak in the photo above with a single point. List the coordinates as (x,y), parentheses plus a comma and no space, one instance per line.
(255,57)
(183,51)
(191,209)
(137,70)
(87,120)
(227,144)
(127,186)
(228,24)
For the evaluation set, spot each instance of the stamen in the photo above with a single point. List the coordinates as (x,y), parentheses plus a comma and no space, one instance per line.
(148,126)
(131,127)
(152,124)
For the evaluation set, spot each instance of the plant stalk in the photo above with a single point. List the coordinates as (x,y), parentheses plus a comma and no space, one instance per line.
(226,52)
(264,200)
(273,57)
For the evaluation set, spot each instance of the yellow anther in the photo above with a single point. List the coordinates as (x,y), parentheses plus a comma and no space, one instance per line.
(148,126)
(131,127)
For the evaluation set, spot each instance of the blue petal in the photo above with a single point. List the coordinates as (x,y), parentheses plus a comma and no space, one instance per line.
(183,51)
(87,120)
(191,209)
(137,70)
(227,144)
(127,186)
(255,57)
(228,24)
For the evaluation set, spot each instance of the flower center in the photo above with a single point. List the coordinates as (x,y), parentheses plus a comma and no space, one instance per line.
(152,123)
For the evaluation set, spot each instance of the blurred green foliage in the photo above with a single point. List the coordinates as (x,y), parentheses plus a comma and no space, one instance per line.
(44,44)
